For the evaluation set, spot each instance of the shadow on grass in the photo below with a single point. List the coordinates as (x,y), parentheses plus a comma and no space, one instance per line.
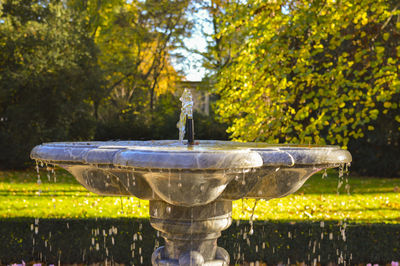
(131,241)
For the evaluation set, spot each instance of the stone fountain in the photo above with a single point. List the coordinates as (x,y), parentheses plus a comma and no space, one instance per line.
(190,187)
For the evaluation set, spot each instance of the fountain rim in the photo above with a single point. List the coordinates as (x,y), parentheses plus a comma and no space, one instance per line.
(237,156)
(167,144)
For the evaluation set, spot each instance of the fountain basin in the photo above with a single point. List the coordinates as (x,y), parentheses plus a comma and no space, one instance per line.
(194,175)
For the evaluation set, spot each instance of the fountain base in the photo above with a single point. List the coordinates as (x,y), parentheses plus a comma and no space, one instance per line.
(190,233)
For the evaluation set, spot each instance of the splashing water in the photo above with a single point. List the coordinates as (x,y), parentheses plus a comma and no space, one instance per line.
(251,220)
(186,112)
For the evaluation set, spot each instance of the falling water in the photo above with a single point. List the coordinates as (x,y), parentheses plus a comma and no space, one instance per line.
(39,181)
(53,172)
(251,220)
(186,112)
(343,179)
(346,170)
(325,174)
(340,179)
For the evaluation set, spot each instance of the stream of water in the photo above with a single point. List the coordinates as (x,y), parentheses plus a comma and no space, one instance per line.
(186,112)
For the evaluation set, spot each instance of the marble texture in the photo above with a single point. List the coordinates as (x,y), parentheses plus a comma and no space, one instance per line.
(191,229)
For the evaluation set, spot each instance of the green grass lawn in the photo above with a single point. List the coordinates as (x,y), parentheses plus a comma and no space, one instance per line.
(371,200)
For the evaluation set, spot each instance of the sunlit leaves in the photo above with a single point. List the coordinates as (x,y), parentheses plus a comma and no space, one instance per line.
(309,72)
(135,40)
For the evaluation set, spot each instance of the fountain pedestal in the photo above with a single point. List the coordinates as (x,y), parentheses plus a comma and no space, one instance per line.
(190,233)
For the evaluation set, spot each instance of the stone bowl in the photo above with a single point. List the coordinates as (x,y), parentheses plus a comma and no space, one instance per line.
(189,176)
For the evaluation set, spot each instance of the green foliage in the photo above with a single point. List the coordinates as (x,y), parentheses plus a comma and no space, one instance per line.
(135,123)
(208,127)
(47,74)
(78,70)
(310,71)
(135,40)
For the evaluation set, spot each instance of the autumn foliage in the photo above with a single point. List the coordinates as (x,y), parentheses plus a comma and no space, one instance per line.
(310,71)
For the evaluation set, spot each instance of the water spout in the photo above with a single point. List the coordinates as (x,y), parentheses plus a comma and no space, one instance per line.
(186,113)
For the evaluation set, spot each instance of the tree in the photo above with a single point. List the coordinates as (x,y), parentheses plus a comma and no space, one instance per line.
(135,40)
(47,73)
(310,71)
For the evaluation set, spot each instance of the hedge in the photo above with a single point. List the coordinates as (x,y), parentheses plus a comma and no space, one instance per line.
(131,241)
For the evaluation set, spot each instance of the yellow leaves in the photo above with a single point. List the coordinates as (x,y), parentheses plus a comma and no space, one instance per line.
(371,128)
(391,61)
(386,36)
(364,19)
(282,83)
(344,82)
(350,64)
(318,46)
(374,114)
(361,17)
(387,104)
(291,110)
(379,49)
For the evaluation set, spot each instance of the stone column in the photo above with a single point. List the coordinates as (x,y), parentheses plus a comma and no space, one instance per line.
(190,233)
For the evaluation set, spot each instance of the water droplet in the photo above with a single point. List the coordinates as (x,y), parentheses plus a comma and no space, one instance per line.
(325,174)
